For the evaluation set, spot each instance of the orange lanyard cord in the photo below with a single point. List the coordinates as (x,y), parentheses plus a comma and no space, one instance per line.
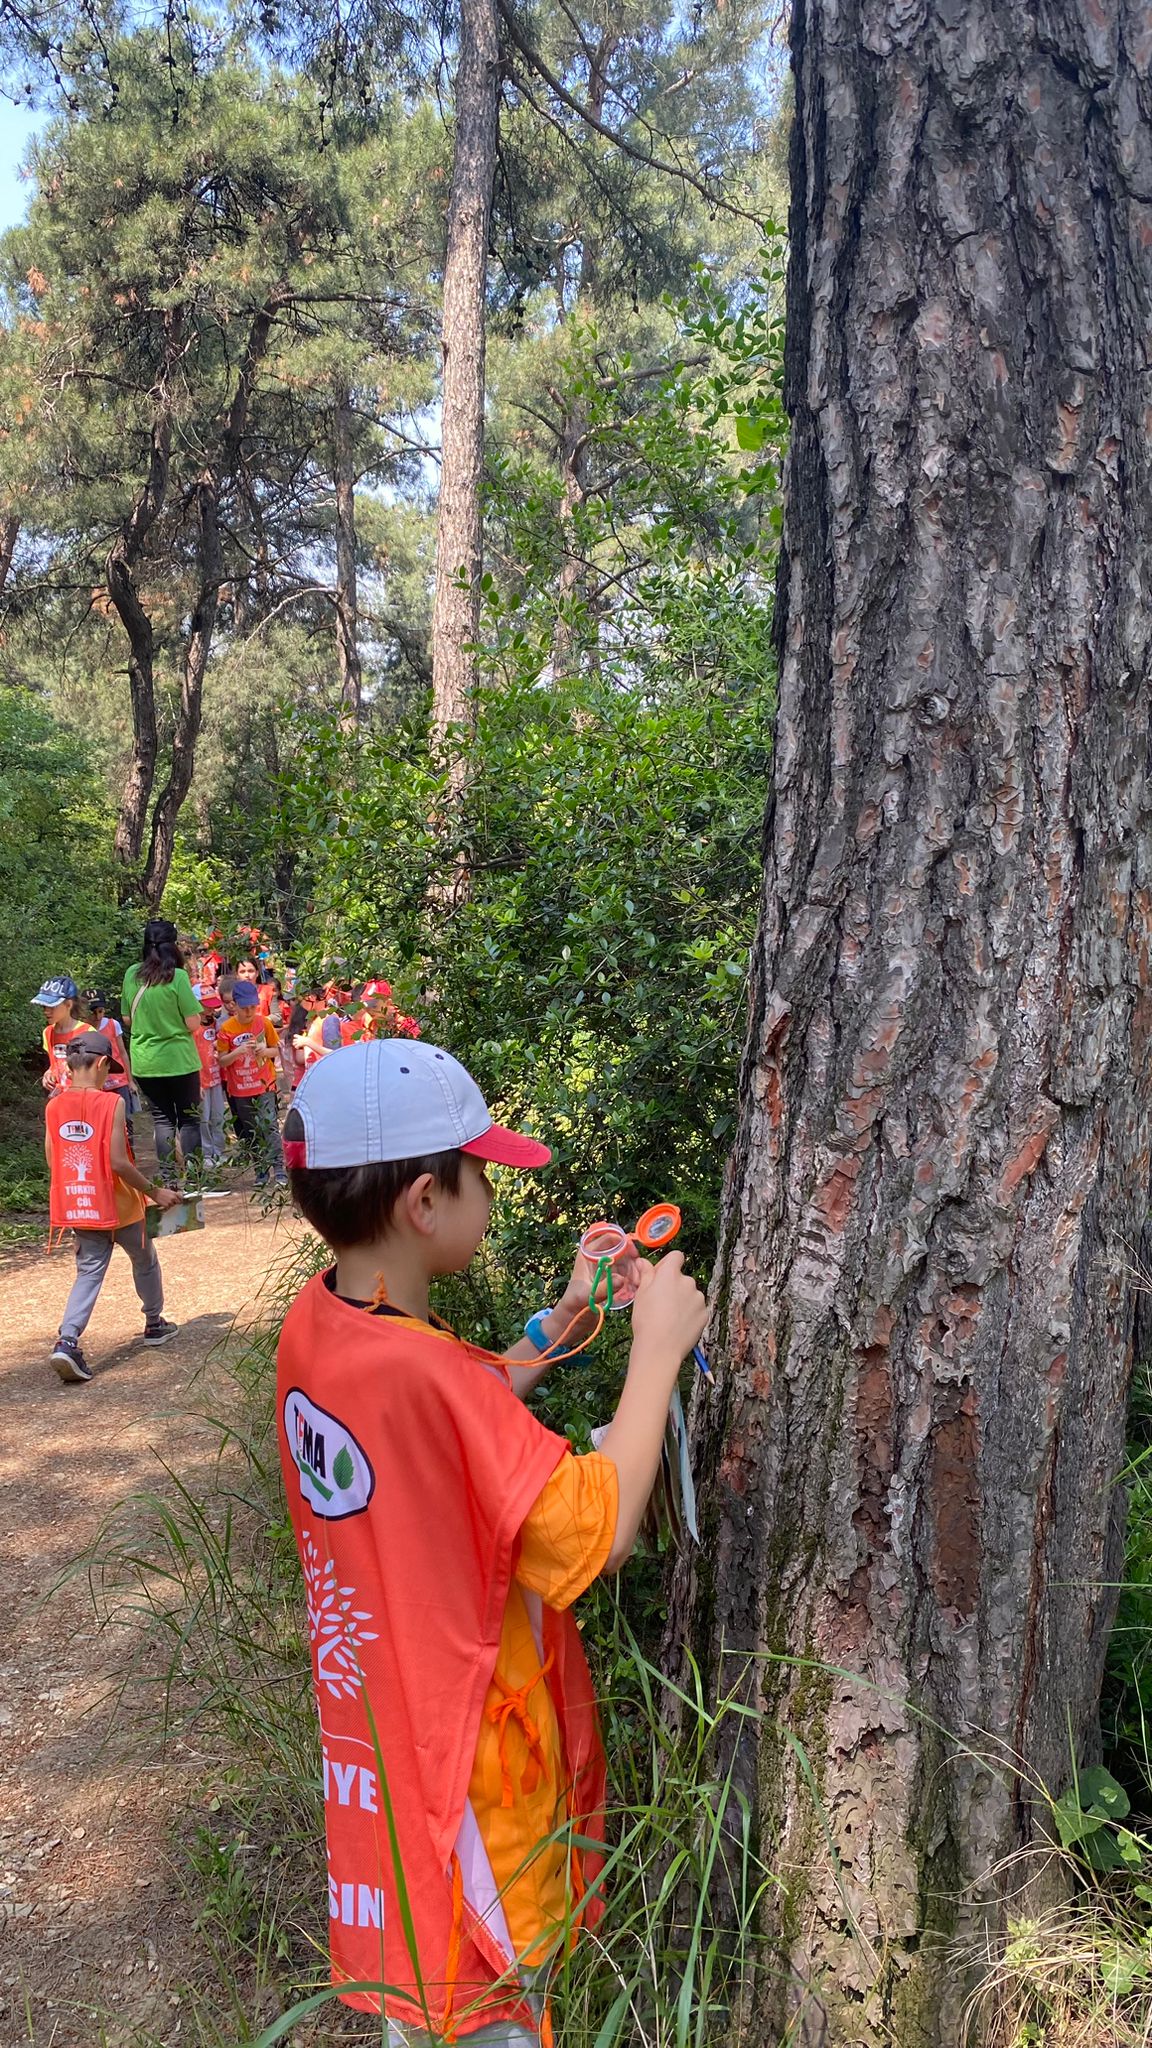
(514,1707)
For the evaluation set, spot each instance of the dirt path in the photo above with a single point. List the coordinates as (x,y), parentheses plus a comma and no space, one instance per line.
(93,1931)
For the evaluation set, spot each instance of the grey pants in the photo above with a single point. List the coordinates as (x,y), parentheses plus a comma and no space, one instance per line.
(93,1251)
(503,2035)
(212,1123)
(485,2037)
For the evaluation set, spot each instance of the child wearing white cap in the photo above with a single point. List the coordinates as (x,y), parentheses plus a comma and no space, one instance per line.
(444,1535)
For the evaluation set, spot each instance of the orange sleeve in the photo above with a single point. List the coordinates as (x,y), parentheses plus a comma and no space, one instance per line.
(567,1533)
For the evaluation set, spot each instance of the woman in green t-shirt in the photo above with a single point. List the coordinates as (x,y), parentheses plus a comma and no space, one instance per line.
(161,1013)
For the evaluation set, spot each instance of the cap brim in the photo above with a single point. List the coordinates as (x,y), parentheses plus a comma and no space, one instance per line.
(502,1147)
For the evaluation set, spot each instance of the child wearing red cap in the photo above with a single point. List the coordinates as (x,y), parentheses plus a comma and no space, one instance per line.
(444,1535)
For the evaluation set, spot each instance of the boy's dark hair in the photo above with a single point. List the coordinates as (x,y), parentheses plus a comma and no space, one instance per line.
(351,1205)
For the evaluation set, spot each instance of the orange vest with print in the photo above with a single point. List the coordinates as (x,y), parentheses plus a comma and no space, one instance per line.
(410,1466)
(84,1193)
(57,1051)
(205,1043)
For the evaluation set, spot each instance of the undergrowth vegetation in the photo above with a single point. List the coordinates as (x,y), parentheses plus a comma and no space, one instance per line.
(223,1654)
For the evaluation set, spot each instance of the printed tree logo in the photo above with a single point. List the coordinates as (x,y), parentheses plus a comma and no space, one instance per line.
(333,1624)
(77,1164)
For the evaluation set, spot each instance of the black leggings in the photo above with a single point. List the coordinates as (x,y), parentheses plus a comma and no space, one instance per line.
(174,1100)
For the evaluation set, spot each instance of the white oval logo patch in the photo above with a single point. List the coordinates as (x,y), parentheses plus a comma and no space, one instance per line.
(336,1478)
(77,1133)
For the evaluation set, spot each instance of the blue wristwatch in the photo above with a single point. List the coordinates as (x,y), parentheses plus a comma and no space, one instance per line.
(534,1330)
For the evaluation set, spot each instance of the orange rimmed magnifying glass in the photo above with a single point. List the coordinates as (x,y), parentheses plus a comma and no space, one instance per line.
(654,1232)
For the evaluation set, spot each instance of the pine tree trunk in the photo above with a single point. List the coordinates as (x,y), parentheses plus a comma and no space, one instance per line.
(124,557)
(9,534)
(922,1322)
(210,486)
(459,539)
(347,650)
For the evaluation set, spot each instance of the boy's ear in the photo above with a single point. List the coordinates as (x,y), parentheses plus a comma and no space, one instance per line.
(419,1203)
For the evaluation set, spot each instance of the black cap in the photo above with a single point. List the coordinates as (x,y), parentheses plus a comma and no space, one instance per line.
(92,1044)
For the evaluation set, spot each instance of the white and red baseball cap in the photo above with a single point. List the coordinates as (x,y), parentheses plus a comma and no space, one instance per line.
(392,1098)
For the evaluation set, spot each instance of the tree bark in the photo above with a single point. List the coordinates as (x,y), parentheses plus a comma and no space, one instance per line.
(922,1323)
(203,622)
(120,573)
(9,534)
(190,710)
(459,536)
(347,650)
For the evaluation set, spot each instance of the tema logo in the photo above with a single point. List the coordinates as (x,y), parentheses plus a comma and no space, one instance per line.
(335,1476)
(77,1133)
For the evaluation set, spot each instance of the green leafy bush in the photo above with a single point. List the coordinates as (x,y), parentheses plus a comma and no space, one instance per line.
(58,906)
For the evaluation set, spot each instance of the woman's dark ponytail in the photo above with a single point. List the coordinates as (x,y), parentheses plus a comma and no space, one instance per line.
(161,955)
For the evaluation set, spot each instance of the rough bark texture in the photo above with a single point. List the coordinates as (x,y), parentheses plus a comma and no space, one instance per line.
(459,552)
(347,650)
(922,1324)
(209,488)
(120,572)
(9,534)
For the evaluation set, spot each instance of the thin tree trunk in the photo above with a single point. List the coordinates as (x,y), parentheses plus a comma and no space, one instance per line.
(922,1322)
(190,710)
(9,532)
(203,622)
(459,537)
(120,575)
(573,433)
(347,617)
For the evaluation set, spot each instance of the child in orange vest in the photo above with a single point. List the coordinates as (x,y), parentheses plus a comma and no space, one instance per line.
(248,1049)
(211,1085)
(444,1535)
(99,1193)
(58,999)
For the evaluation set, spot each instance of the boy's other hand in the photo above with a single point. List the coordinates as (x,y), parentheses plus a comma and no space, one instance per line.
(167,1198)
(669,1312)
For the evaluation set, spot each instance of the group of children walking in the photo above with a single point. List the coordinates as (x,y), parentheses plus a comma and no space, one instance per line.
(444,1533)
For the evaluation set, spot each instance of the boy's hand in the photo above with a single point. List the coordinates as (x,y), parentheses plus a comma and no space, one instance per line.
(167,1198)
(669,1312)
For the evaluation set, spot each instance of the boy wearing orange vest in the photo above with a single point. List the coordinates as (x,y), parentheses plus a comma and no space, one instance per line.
(99,1193)
(444,1535)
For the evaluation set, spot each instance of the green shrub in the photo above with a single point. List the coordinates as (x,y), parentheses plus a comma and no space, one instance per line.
(59,912)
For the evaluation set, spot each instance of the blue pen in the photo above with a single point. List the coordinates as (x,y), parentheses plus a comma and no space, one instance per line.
(702,1362)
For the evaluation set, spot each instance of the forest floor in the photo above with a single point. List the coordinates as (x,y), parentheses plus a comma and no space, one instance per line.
(95,1932)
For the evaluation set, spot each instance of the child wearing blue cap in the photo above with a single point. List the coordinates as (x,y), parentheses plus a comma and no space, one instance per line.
(247,1049)
(57,998)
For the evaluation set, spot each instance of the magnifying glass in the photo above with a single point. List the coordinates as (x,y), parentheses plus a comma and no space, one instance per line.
(657,1226)
(655,1230)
